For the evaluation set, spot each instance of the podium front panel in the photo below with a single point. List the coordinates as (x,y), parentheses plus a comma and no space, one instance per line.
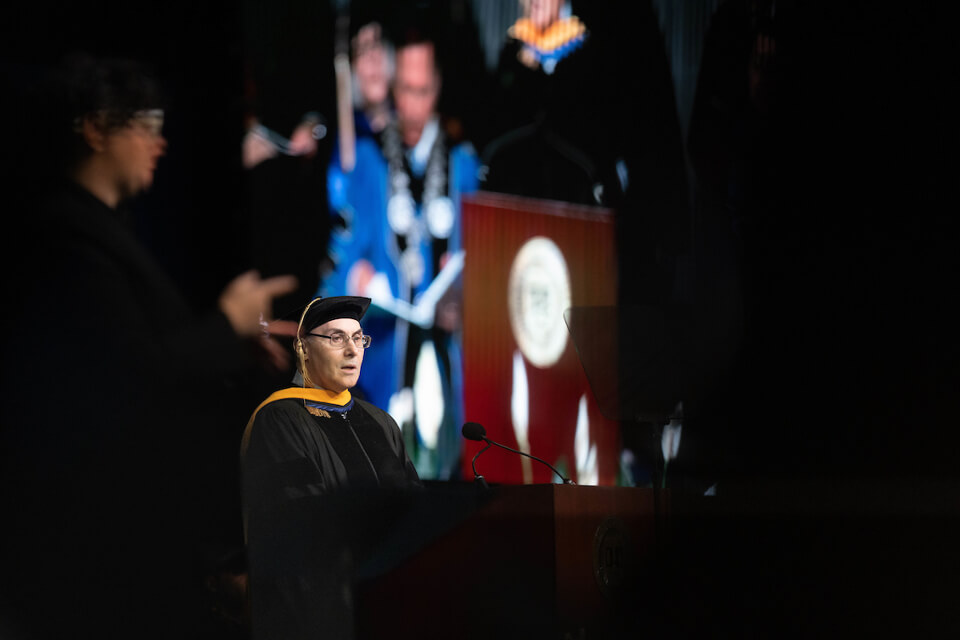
(533,561)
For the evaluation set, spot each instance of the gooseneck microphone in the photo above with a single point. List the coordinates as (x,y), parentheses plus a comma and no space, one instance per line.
(475,431)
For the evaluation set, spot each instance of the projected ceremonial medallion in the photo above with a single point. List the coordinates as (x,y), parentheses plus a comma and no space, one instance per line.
(538,293)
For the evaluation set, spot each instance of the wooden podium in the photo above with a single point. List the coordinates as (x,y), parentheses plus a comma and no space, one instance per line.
(528,561)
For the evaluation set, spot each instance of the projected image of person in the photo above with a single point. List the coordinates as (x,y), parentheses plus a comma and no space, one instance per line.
(546,139)
(372,78)
(307,451)
(400,245)
(546,33)
(364,106)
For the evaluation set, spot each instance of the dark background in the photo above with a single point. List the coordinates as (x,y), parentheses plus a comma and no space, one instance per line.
(834,436)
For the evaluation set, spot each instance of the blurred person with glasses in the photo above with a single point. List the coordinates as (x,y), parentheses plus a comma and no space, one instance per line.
(118,446)
(321,473)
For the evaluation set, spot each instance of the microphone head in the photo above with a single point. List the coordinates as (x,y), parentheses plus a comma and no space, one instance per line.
(473,431)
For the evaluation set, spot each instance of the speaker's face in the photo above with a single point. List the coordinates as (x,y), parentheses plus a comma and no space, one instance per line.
(334,368)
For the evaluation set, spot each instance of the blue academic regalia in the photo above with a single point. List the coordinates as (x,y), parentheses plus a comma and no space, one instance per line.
(360,197)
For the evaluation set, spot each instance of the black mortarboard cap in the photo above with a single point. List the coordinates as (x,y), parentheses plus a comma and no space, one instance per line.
(323,310)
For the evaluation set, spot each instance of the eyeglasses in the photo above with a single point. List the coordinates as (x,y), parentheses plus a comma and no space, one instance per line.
(339,340)
(150,120)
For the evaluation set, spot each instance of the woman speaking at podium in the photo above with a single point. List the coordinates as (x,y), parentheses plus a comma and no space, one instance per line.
(321,470)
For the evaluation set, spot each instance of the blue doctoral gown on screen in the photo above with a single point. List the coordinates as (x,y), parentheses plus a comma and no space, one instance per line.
(360,198)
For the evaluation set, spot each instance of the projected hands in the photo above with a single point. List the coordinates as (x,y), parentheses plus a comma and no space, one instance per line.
(363,280)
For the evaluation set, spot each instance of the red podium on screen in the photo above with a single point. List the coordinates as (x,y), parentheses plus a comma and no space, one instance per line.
(527,262)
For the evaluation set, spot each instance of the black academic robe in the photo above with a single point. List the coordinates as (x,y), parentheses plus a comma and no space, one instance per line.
(319,491)
(113,392)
